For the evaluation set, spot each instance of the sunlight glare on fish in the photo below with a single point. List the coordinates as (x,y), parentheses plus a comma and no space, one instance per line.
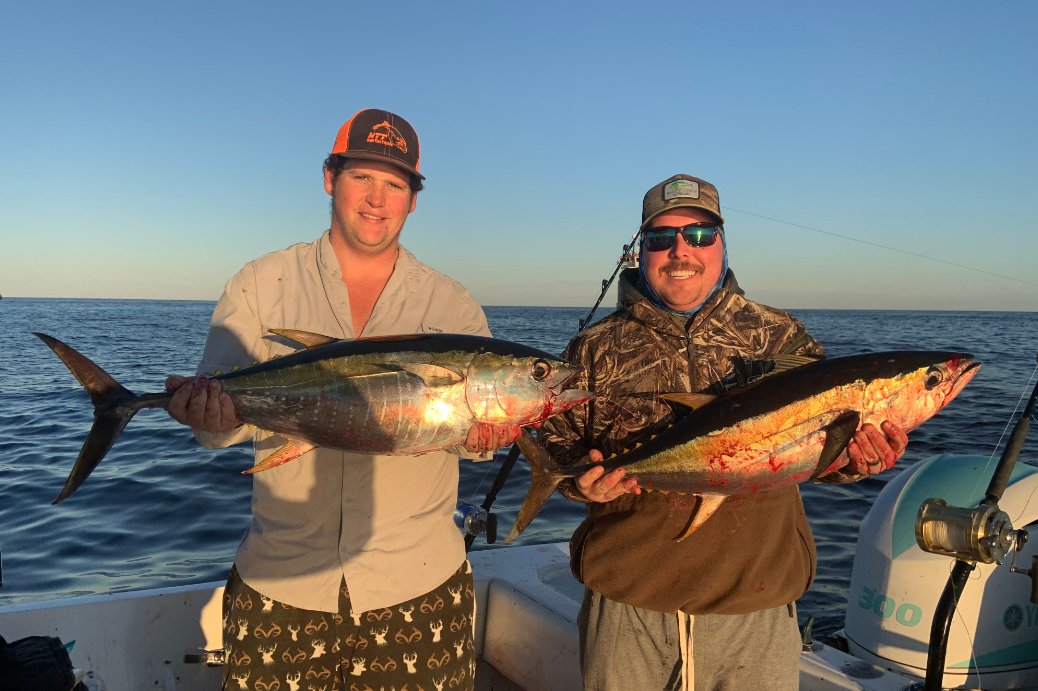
(437,412)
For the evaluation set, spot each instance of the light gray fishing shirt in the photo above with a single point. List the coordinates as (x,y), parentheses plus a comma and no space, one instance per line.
(385,523)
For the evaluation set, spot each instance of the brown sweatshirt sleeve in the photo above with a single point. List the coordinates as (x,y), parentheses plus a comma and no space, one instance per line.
(564,436)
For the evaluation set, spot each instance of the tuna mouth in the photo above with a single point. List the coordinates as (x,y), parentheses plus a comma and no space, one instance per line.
(560,388)
(962,380)
(569,399)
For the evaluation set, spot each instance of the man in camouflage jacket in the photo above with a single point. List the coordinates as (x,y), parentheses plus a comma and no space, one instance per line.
(683,325)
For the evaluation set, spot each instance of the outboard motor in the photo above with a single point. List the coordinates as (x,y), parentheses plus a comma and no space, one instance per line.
(965,645)
(895,585)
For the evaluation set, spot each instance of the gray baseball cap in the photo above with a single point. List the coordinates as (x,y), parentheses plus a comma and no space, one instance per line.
(677,191)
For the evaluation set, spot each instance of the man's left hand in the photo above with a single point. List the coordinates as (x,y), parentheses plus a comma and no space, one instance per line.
(873,451)
(483,437)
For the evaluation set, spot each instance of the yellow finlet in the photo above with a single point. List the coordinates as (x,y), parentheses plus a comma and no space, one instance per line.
(784,363)
(235,368)
(692,400)
(218,373)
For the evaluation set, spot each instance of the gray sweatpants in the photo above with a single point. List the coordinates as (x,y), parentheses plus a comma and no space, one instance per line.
(625,647)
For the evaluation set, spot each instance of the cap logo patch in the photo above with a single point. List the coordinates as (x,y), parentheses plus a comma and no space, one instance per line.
(387,135)
(681,189)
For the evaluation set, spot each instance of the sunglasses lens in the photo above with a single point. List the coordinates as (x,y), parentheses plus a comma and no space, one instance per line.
(659,240)
(699,237)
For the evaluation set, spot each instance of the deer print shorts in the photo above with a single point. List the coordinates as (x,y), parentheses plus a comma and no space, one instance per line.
(424,644)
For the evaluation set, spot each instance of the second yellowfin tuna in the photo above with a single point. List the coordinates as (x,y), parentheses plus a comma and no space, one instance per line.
(784,429)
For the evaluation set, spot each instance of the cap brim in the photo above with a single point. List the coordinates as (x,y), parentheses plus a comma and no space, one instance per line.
(690,204)
(371,156)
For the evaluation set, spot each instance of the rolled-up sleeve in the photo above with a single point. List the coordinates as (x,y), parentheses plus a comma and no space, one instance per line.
(234,340)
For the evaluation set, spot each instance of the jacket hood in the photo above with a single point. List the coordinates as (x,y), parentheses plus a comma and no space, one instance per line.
(627,294)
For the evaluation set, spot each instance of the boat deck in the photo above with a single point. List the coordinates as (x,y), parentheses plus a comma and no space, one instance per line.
(526,632)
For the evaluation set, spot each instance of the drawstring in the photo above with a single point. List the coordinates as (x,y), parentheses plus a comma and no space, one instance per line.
(688,664)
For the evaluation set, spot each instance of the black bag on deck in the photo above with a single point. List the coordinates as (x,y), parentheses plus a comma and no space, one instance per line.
(36,663)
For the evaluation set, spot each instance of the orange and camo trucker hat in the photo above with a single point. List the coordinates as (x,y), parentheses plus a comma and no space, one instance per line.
(379,135)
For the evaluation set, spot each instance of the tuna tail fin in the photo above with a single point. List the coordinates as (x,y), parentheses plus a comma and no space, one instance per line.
(545,477)
(113,408)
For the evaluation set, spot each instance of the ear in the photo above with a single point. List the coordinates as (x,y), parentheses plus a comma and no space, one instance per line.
(329,187)
(414,201)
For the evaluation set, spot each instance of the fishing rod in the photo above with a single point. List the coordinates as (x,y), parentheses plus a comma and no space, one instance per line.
(982,534)
(606,282)
(499,482)
(473,520)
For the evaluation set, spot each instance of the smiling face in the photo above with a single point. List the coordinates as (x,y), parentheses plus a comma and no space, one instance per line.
(370,202)
(683,275)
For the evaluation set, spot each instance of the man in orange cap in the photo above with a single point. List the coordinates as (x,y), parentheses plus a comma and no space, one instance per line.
(352,565)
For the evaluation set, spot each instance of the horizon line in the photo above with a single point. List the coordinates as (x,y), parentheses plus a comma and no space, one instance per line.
(560,307)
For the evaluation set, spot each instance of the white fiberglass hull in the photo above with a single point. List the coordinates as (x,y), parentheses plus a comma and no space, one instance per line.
(526,629)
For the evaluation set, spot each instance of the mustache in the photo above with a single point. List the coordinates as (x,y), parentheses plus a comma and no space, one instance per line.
(681,266)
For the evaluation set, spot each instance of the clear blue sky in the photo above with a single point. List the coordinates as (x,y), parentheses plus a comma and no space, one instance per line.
(151,149)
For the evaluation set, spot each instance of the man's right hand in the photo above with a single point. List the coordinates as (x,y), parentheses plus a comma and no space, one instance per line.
(201,404)
(598,486)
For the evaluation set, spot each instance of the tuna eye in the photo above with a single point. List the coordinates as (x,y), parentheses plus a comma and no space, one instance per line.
(541,370)
(933,378)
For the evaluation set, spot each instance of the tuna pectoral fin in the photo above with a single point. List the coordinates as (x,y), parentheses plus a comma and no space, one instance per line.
(307,338)
(432,375)
(289,452)
(544,478)
(837,435)
(113,408)
(708,504)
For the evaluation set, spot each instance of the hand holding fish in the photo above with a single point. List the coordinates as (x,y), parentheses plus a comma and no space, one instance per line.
(598,486)
(201,404)
(483,437)
(873,451)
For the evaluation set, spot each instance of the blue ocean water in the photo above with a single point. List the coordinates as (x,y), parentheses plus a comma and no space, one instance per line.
(162,511)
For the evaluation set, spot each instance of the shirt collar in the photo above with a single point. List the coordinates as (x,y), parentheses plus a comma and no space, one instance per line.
(406,269)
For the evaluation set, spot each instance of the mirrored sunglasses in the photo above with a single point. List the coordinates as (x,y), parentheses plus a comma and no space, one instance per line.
(695,235)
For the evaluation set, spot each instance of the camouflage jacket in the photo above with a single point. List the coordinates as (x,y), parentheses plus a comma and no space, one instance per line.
(757,551)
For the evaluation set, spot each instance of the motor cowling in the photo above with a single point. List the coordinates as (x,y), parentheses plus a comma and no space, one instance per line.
(895,586)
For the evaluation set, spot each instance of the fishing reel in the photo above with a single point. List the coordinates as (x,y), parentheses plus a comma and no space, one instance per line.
(982,534)
(473,521)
